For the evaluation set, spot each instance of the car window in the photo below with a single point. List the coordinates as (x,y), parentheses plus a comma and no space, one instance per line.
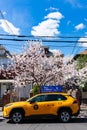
(39,98)
(55,97)
(50,97)
(61,97)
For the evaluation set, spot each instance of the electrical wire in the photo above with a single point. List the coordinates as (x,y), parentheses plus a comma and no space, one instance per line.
(61,41)
(44,36)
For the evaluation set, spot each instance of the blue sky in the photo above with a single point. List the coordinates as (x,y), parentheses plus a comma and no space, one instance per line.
(45,18)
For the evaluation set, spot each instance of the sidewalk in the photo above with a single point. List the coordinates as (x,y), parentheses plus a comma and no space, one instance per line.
(83,107)
(1,113)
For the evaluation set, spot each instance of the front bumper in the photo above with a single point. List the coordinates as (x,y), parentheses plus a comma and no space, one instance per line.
(6,113)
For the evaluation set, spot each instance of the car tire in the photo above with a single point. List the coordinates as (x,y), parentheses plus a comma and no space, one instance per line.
(17,116)
(64,116)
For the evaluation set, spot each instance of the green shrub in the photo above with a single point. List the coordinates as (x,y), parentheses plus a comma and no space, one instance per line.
(35,89)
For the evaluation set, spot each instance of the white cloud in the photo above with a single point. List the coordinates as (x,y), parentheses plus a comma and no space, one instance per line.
(56,51)
(83,42)
(48,27)
(80,26)
(9,27)
(51,9)
(4,13)
(54,15)
(68,22)
(74,3)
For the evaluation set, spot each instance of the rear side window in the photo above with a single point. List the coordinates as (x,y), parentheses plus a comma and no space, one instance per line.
(61,97)
(55,97)
(50,97)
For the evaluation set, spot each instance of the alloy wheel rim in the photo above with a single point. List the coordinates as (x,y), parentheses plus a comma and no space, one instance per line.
(65,116)
(17,117)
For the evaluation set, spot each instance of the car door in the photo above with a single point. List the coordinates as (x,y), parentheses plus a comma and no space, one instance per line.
(37,106)
(54,102)
(51,101)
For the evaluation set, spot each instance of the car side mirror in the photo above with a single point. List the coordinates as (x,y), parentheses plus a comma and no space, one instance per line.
(32,101)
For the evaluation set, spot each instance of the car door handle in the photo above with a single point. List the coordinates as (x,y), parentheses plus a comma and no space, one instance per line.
(50,105)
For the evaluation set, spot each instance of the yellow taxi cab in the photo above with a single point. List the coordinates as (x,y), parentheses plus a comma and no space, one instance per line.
(60,105)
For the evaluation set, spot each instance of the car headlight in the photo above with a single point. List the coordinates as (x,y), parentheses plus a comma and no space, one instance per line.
(7,105)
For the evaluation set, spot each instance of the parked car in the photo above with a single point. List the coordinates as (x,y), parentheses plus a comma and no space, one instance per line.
(60,105)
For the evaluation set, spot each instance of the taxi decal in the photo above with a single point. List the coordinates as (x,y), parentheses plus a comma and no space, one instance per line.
(35,107)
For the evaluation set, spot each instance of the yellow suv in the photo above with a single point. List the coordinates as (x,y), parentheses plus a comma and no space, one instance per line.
(60,105)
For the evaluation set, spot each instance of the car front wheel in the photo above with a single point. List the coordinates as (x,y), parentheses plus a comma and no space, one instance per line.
(64,116)
(17,117)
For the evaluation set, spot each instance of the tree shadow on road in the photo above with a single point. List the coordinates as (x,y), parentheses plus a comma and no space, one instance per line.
(41,121)
(1,120)
(78,120)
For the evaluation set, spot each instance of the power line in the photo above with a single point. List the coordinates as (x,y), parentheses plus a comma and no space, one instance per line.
(75,45)
(57,46)
(67,41)
(43,40)
(44,36)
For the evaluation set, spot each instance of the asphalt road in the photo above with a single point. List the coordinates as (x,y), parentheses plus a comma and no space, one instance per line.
(45,124)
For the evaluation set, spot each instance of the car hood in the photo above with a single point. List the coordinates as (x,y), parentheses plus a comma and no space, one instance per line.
(15,104)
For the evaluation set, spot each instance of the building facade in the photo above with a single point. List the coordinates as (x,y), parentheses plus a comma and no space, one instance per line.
(4,82)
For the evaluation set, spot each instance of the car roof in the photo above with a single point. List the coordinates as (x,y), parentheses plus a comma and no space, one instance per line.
(62,93)
(53,93)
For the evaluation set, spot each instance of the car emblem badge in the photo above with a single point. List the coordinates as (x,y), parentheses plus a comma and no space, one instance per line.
(35,107)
